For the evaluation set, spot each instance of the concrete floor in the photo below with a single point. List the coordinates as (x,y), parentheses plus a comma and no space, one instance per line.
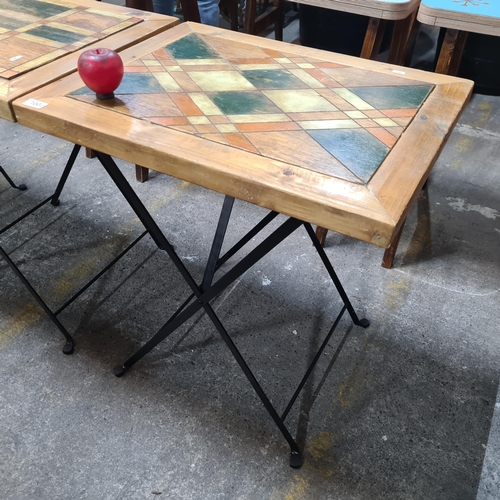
(406,410)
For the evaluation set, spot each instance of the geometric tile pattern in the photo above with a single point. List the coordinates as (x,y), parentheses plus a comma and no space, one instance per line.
(320,115)
(35,32)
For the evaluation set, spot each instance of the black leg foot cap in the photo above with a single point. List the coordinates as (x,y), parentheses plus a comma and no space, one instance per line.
(22,187)
(119,371)
(295,460)
(68,348)
(364,323)
(55,203)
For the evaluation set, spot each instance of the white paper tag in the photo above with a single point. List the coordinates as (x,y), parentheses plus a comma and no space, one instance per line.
(15,58)
(34,103)
(398,72)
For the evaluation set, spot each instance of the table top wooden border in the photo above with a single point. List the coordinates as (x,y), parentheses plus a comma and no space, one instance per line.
(392,11)
(151,25)
(463,21)
(372,213)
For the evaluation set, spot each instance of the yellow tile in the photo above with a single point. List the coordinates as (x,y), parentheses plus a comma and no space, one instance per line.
(307,78)
(174,68)
(385,122)
(305,65)
(355,114)
(153,62)
(328,124)
(205,104)
(353,99)
(72,28)
(299,101)
(166,81)
(226,128)
(220,80)
(199,120)
(282,60)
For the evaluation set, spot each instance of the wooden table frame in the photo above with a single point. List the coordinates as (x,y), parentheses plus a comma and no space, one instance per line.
(373,213)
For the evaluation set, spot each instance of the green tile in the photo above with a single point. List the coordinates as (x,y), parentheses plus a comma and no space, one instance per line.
(37,8)
(139,83)
(243,103)
(132,83)
(273,79)
(191,47)
(408,96)
(11,24)
(357,149)
(55,34)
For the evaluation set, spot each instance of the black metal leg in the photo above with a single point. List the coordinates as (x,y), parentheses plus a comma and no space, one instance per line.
(69,346)
(21,187)
(64,177)
(333,275)
(208,291)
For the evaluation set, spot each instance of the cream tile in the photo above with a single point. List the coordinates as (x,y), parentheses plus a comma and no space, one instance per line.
(220,80)
(299,101)
(328,124)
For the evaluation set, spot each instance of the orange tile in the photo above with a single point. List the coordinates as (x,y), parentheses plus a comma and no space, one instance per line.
(186,104)
(218,119)
(215,137)
(263,127)
(395,131)
(366,123)
(297,59)
(383,135)
(240,141)
(205,129)
(170,120)
(321,77)
(185,81)
(373,113)
(399,113)
(336,100)
(402,121)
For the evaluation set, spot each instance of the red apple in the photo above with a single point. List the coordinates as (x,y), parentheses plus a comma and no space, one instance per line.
(101,70)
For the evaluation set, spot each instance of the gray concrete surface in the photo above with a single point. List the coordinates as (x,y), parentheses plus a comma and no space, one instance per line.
(406,410)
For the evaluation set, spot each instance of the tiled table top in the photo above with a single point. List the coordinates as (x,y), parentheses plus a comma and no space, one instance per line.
(295,109)
(342,142)
(38,33)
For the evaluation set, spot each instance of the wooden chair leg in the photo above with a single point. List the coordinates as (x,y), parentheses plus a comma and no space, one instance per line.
(373,38)
(89,153)
(321,233)
(400,38)
(141,173)
(451,52)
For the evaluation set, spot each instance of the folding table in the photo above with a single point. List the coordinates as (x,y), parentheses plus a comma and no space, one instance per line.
(322,138)
(40,41)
